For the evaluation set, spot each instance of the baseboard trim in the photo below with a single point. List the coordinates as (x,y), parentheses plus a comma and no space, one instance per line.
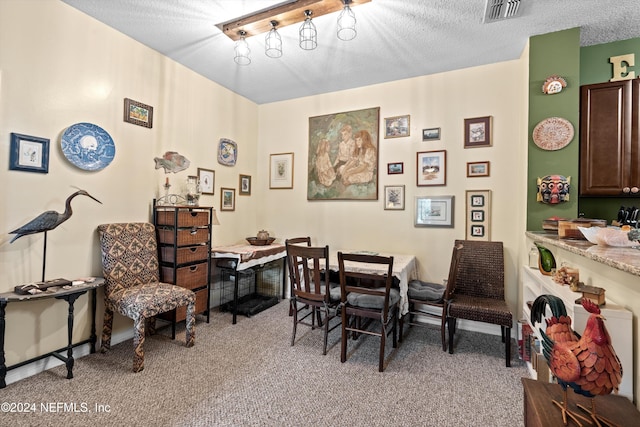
(42,365)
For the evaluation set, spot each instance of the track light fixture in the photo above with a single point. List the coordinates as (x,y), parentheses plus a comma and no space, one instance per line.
(273,42)
(308,33)
(286,13)
(242,50)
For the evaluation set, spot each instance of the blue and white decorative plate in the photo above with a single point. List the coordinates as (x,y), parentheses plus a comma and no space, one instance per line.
(227,152)
(88,146)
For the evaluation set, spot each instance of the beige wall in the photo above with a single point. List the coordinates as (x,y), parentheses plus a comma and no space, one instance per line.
(59,67)
(442,100)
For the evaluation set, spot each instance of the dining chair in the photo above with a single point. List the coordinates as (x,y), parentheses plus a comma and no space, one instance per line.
(478,291)
(308,268)
(429,299)
(369,303)
(132,287)
(294,241)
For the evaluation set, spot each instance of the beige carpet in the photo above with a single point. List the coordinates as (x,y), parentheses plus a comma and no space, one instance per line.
(248,375)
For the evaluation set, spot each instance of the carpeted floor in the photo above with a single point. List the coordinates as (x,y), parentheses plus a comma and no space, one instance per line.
(248,375)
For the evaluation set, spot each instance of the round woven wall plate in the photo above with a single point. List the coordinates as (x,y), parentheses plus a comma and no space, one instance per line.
(553,133)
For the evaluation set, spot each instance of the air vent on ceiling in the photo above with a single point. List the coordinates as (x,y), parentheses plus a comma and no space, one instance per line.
(499,10)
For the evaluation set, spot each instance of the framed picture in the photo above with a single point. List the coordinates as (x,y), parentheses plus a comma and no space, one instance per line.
(207,179)
(475,169)
(396,127)
(478,224)
(138,113)
(227,199)
(434,211)
(394,197)
(431,168)
(395,168)
(29,153)
(245,185)
(477,132)
(334,165)
(431,134)
(281,171)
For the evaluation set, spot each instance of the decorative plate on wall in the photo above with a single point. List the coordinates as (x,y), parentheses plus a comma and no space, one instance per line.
(88,146)
(553,133)
(227,152)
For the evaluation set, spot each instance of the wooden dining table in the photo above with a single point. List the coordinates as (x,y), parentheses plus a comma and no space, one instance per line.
(404,269)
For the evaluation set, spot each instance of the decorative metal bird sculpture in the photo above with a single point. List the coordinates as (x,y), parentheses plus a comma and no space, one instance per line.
(50,219)
(588,363)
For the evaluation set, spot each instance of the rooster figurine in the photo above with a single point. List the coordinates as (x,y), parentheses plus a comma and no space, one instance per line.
(588,363)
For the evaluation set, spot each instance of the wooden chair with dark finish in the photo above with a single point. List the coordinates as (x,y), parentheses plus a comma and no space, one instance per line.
(294,241)
(478,291)
(428,299)
(369,303)
(313,295)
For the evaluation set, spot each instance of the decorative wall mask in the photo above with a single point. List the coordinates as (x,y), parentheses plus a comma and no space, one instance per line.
(553,189)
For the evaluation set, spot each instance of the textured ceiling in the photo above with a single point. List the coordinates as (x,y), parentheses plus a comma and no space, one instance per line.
(396,39)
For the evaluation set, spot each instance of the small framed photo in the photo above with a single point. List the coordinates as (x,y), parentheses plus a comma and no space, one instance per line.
(477,132)
(227,199)
(138,113)
(395,168)
(434,211)
(29,153)
(477,231)
(207,179)
(432,168)
(431,134)
(281,170)
(245,185)
(477,216)
(475,169)
(478,222)
(397,127)
(394,197)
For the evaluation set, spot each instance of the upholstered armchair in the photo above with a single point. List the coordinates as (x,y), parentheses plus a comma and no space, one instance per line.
(132,287)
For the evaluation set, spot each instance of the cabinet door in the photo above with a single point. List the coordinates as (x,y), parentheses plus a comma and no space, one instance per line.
(605,138)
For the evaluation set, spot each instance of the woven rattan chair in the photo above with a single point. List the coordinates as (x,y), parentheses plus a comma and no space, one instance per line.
(478,291)
(368,302)
(313,295)
(428,299)
(132,288)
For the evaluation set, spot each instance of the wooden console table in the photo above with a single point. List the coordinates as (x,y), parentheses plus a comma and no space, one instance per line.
(539,410)
(70,296)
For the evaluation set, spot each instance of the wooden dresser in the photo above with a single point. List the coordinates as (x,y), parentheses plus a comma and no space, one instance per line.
(184,246)
(539,410)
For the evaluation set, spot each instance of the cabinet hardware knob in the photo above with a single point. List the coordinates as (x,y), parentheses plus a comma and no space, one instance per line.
(626,190)
(634,190)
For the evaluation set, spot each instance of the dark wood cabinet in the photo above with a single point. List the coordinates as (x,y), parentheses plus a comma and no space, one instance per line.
(184,246)
(610,138)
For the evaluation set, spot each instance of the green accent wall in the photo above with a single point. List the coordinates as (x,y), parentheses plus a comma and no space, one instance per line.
(595,68)
(549,54)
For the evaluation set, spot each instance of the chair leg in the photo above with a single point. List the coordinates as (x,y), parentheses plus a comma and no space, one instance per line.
(293,309)
(395,329)
(451,323)
(190,325)
(401,326)
(106,330)
(326,331)
(138,344)
(442,333)
(383,337)
(507,344)
(343,343)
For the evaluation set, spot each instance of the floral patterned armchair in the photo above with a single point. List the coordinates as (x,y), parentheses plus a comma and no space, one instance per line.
(132,287)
